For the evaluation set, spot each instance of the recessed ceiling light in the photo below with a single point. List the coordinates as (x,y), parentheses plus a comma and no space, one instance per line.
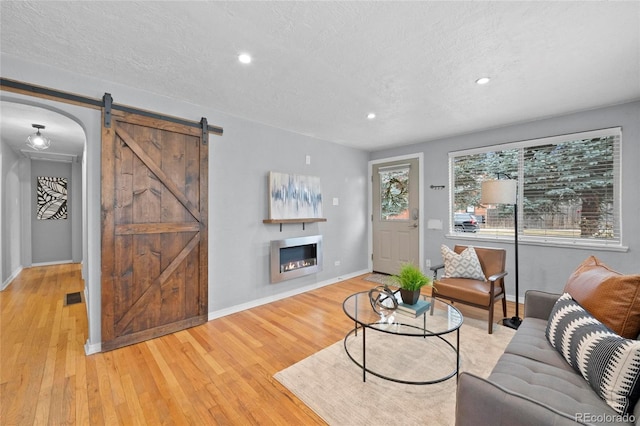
(483,80)
(245,58)
(371,116)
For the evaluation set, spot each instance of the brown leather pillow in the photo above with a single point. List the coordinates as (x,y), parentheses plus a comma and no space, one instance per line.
(611,297)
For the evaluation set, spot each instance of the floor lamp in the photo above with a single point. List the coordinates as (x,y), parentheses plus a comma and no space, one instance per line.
(505,192)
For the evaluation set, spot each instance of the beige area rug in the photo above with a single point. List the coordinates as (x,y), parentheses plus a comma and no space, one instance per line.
(331,384)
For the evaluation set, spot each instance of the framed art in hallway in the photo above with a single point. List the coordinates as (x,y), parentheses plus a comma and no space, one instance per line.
(51,198)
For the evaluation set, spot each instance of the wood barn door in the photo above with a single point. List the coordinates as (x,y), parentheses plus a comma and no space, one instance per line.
(154,229)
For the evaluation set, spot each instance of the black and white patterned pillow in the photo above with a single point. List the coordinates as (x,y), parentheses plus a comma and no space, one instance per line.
(463,265)
(608,362)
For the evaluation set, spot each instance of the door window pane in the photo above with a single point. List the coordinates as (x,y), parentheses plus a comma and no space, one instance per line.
(394,193)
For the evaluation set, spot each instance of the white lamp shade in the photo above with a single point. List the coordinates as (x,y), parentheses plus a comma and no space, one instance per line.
(499,192)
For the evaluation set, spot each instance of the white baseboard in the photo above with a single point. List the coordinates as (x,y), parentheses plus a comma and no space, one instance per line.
(97,347)
(258,302)
(57,262)
(90,349)
(12,277)
(512,298)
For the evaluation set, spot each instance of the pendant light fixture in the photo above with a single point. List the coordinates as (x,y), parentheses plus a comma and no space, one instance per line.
(37,140)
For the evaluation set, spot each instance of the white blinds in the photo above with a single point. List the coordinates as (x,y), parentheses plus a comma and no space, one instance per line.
(568,186)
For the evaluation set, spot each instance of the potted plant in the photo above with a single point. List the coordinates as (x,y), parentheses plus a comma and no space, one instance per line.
(410,279)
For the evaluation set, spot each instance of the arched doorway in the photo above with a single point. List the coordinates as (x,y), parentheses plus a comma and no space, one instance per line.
(29,238)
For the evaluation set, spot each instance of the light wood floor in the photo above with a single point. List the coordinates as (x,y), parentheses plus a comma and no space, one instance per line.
(217,373)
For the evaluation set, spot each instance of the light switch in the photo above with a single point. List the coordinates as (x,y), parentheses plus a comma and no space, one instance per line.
(336,201)
(308,159)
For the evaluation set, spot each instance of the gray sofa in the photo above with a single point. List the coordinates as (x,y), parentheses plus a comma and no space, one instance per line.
(532,384)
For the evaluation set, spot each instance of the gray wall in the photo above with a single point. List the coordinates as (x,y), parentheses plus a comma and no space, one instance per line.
(239,164)
(540,267)
(51,240)
(11,219)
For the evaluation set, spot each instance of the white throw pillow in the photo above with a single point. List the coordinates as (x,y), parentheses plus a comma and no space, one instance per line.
(463,265)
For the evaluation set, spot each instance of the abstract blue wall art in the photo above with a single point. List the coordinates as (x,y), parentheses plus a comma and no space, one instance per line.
(294,196)
(52,198)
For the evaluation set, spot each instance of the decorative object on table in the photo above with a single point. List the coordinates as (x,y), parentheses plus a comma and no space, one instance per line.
(410,279)
(383,302)
(505,192)
(415,310)
(294,196)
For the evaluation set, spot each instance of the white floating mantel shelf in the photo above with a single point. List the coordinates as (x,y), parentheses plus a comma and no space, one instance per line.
(297,220)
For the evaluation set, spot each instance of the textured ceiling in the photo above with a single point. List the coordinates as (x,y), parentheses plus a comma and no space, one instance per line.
(320,67)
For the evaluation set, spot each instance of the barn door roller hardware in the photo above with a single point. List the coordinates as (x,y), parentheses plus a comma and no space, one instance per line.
(205,130)
(106,103)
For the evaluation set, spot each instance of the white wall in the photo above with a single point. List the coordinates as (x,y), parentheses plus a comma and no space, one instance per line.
(543,268)
(238,165)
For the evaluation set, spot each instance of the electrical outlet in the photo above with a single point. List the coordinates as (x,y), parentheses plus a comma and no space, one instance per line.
(336,263)
(427,263)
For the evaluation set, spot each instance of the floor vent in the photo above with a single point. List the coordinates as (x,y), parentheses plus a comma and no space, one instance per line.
(72,298)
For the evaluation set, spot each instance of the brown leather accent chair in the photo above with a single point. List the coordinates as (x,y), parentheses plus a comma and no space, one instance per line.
(481,294)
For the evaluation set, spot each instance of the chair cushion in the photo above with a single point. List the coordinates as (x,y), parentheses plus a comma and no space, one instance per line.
(611,297)
(564,391)
(471,291)
(608,362)
(463,265)
(530,342)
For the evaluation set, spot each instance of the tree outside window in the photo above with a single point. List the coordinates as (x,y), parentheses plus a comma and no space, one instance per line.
(394,194)
(567,186)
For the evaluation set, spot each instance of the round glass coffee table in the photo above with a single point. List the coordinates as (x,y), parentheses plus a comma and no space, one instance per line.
(402,347)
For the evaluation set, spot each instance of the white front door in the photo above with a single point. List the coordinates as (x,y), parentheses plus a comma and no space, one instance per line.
(396,214)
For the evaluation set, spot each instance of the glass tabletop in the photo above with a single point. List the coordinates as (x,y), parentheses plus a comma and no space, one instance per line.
(439,318)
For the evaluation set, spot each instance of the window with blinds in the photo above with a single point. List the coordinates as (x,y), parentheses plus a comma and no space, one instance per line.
(568,188)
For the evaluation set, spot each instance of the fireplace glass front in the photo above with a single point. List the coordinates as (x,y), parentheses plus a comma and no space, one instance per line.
(295,257)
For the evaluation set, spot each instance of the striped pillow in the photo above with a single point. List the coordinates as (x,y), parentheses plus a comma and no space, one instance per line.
(608,362)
